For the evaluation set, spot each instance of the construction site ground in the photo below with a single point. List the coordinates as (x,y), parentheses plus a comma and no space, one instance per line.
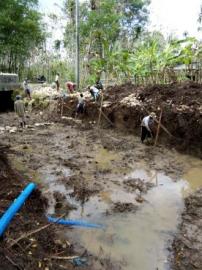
(103,174)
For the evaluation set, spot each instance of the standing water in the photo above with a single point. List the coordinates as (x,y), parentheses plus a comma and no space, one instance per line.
(139,241)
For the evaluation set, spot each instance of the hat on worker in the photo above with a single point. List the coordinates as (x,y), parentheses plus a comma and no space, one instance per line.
(152,114)
(18,97)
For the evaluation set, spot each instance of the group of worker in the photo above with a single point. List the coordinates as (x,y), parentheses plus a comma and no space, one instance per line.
(147,124)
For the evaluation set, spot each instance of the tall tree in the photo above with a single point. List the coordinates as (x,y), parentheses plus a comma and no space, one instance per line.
(20,32)
(103,24)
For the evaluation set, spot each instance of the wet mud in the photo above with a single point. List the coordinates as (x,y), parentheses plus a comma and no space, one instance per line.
(188,243)
(125,106)
(106,176)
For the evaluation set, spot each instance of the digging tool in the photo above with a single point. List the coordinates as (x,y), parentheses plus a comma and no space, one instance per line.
(158,129)
(99,118)
(161,125)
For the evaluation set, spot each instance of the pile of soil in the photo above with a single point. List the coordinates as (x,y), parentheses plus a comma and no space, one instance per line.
(126,105)
(188,243)
(34,251)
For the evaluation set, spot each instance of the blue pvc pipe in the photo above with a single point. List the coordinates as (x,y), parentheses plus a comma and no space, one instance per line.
(15,207)
(78,223)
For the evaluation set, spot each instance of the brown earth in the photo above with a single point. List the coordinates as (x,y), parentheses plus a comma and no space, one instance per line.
(127,104)
(188,243)
(47,151)
(34,251)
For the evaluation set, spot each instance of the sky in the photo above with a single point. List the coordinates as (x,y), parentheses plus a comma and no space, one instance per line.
(175,16)
(169,16)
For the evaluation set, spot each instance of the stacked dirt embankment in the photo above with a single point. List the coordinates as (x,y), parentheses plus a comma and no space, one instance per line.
(127,104)
(17,249)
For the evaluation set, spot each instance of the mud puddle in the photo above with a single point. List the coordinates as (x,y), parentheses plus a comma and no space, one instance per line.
(139,240)
(138,233)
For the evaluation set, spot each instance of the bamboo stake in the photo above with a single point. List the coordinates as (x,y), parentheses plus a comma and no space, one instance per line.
(62,107)
(63,258)
(99,118)
(162,126)
(107,118)
(158,129)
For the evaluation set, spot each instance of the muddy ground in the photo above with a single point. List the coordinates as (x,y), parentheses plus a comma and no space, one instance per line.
(20,247)
(188,243)
(75,158)
(126,105)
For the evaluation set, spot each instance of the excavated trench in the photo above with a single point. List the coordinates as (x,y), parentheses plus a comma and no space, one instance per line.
(105,175)
(108,177)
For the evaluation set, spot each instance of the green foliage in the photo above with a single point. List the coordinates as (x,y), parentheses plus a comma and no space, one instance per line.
(152,54)
(103,25)
(20,32)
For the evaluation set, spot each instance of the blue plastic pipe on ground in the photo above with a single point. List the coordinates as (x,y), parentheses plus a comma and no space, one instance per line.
(78,223)
(15,207)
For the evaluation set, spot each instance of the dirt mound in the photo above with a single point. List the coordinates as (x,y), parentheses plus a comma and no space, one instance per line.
(34,251)
(118,92)
(126,105)
(188,94)
(188,243)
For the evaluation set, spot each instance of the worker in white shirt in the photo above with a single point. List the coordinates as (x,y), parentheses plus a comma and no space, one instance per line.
(27,89)
(146,126)
(57,77)
(81,105)
(94,92)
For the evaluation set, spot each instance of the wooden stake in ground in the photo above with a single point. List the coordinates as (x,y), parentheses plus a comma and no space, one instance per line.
(158,128)
(162,126)
(99,118)
(62,106)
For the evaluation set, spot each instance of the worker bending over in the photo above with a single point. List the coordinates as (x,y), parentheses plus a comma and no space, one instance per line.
(81,104)
(147,126)
(71,87)
(20,110)
(95,93)
(99,85)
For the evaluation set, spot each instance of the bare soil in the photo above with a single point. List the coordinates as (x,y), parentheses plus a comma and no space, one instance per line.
(188,243)
(34,251)
(127,104)
(86,160)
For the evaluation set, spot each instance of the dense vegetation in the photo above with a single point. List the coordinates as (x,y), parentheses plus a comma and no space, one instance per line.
(114,44)
(20,32)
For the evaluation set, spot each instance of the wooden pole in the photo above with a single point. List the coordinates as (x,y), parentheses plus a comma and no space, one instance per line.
(62,106)
(99,118)
(77,46)
(158,129)
(162,126)
(107,118)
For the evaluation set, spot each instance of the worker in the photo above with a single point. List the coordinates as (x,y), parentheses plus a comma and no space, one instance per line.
(20,110)
(81,104)
(99,85)
(95,93)
(147,126)
(57,78)
(71,87)
(27,89)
